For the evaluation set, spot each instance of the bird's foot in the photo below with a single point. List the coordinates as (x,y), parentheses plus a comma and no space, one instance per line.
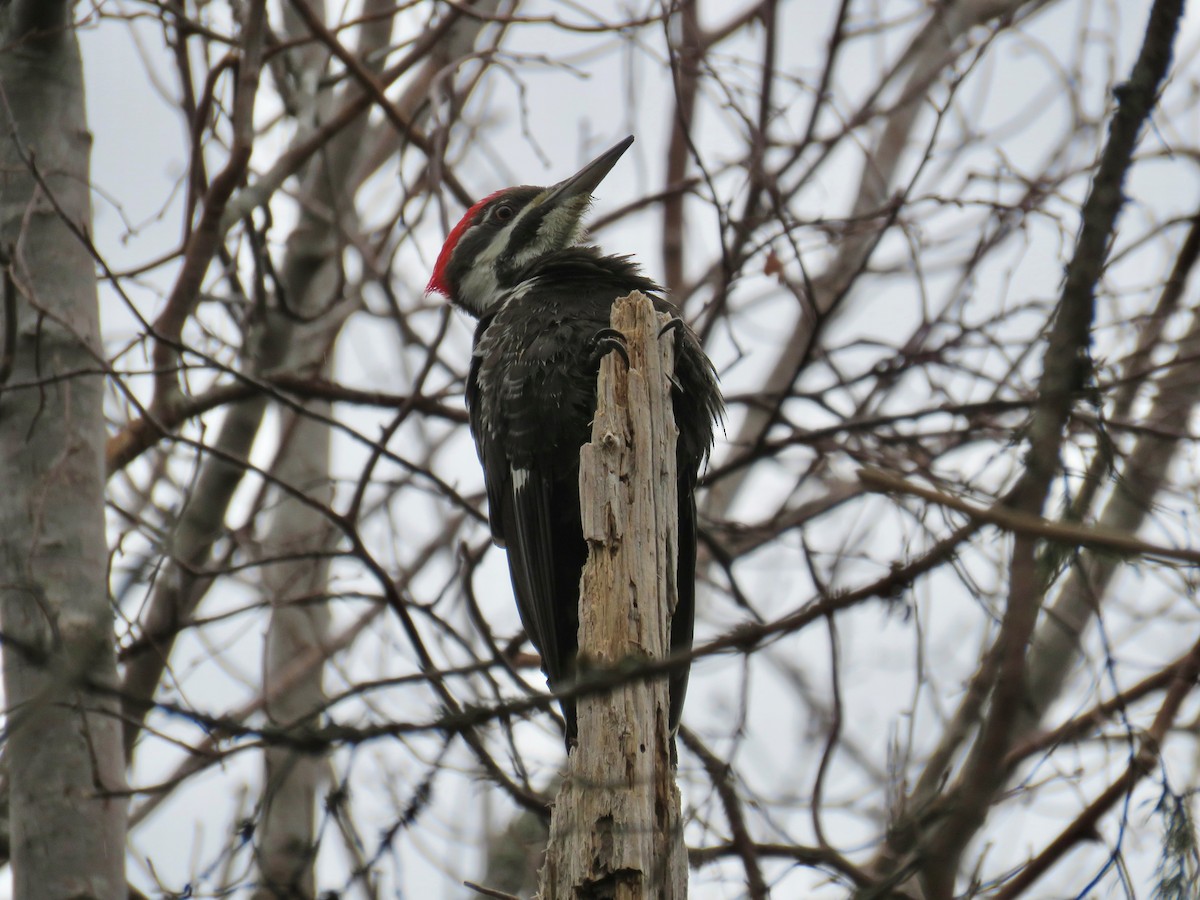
(609,340)
(674,323)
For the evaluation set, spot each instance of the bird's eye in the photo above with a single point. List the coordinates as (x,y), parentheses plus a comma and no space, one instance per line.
(503,213)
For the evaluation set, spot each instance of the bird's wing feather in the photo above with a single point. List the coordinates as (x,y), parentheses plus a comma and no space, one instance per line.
(491,452)
(684,618)
(527,512)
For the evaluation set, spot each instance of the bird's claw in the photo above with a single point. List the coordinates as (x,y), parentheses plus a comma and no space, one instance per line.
(610,340)
(672,324)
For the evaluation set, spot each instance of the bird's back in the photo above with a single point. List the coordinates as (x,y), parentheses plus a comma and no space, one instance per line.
(537,356)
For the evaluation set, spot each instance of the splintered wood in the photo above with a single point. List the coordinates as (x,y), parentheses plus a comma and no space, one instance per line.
(616,829)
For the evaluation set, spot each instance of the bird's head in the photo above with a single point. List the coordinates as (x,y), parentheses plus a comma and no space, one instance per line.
(504,232)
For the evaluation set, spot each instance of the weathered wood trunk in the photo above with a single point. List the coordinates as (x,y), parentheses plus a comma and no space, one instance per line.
(616,830)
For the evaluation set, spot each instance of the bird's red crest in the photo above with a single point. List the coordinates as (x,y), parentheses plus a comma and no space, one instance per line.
(437,281)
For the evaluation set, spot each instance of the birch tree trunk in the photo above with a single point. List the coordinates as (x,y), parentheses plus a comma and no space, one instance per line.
(63,747)
(616,830)
(298,532)
(295,587)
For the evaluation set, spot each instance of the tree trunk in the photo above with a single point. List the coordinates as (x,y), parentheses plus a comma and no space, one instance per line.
(616,830)
(302,538)
(63,748)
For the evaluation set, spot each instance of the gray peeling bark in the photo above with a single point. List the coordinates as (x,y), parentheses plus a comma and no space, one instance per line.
(63,738)
(616,830)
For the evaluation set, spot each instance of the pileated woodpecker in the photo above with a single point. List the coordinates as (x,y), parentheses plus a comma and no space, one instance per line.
(543,299)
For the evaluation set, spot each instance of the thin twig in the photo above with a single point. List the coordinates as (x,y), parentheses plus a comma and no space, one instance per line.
(1029,525)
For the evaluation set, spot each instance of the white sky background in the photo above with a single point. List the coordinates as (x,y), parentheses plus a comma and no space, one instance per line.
(139,154)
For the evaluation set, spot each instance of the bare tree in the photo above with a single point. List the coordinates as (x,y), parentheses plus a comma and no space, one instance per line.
(942,254)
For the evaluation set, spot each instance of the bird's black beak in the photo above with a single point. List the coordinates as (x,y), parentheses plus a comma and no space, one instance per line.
(585,181)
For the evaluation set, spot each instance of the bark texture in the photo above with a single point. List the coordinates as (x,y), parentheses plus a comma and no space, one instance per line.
(296,586)
(63,738)
(616,829)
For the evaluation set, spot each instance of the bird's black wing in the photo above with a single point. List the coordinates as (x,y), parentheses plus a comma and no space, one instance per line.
(697,403)
(491,454)
(518,417)
(534,559)
(683,619)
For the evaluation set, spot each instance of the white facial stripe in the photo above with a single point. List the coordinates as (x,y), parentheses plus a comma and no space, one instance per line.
(527,208)
(561,227)
(479,287)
